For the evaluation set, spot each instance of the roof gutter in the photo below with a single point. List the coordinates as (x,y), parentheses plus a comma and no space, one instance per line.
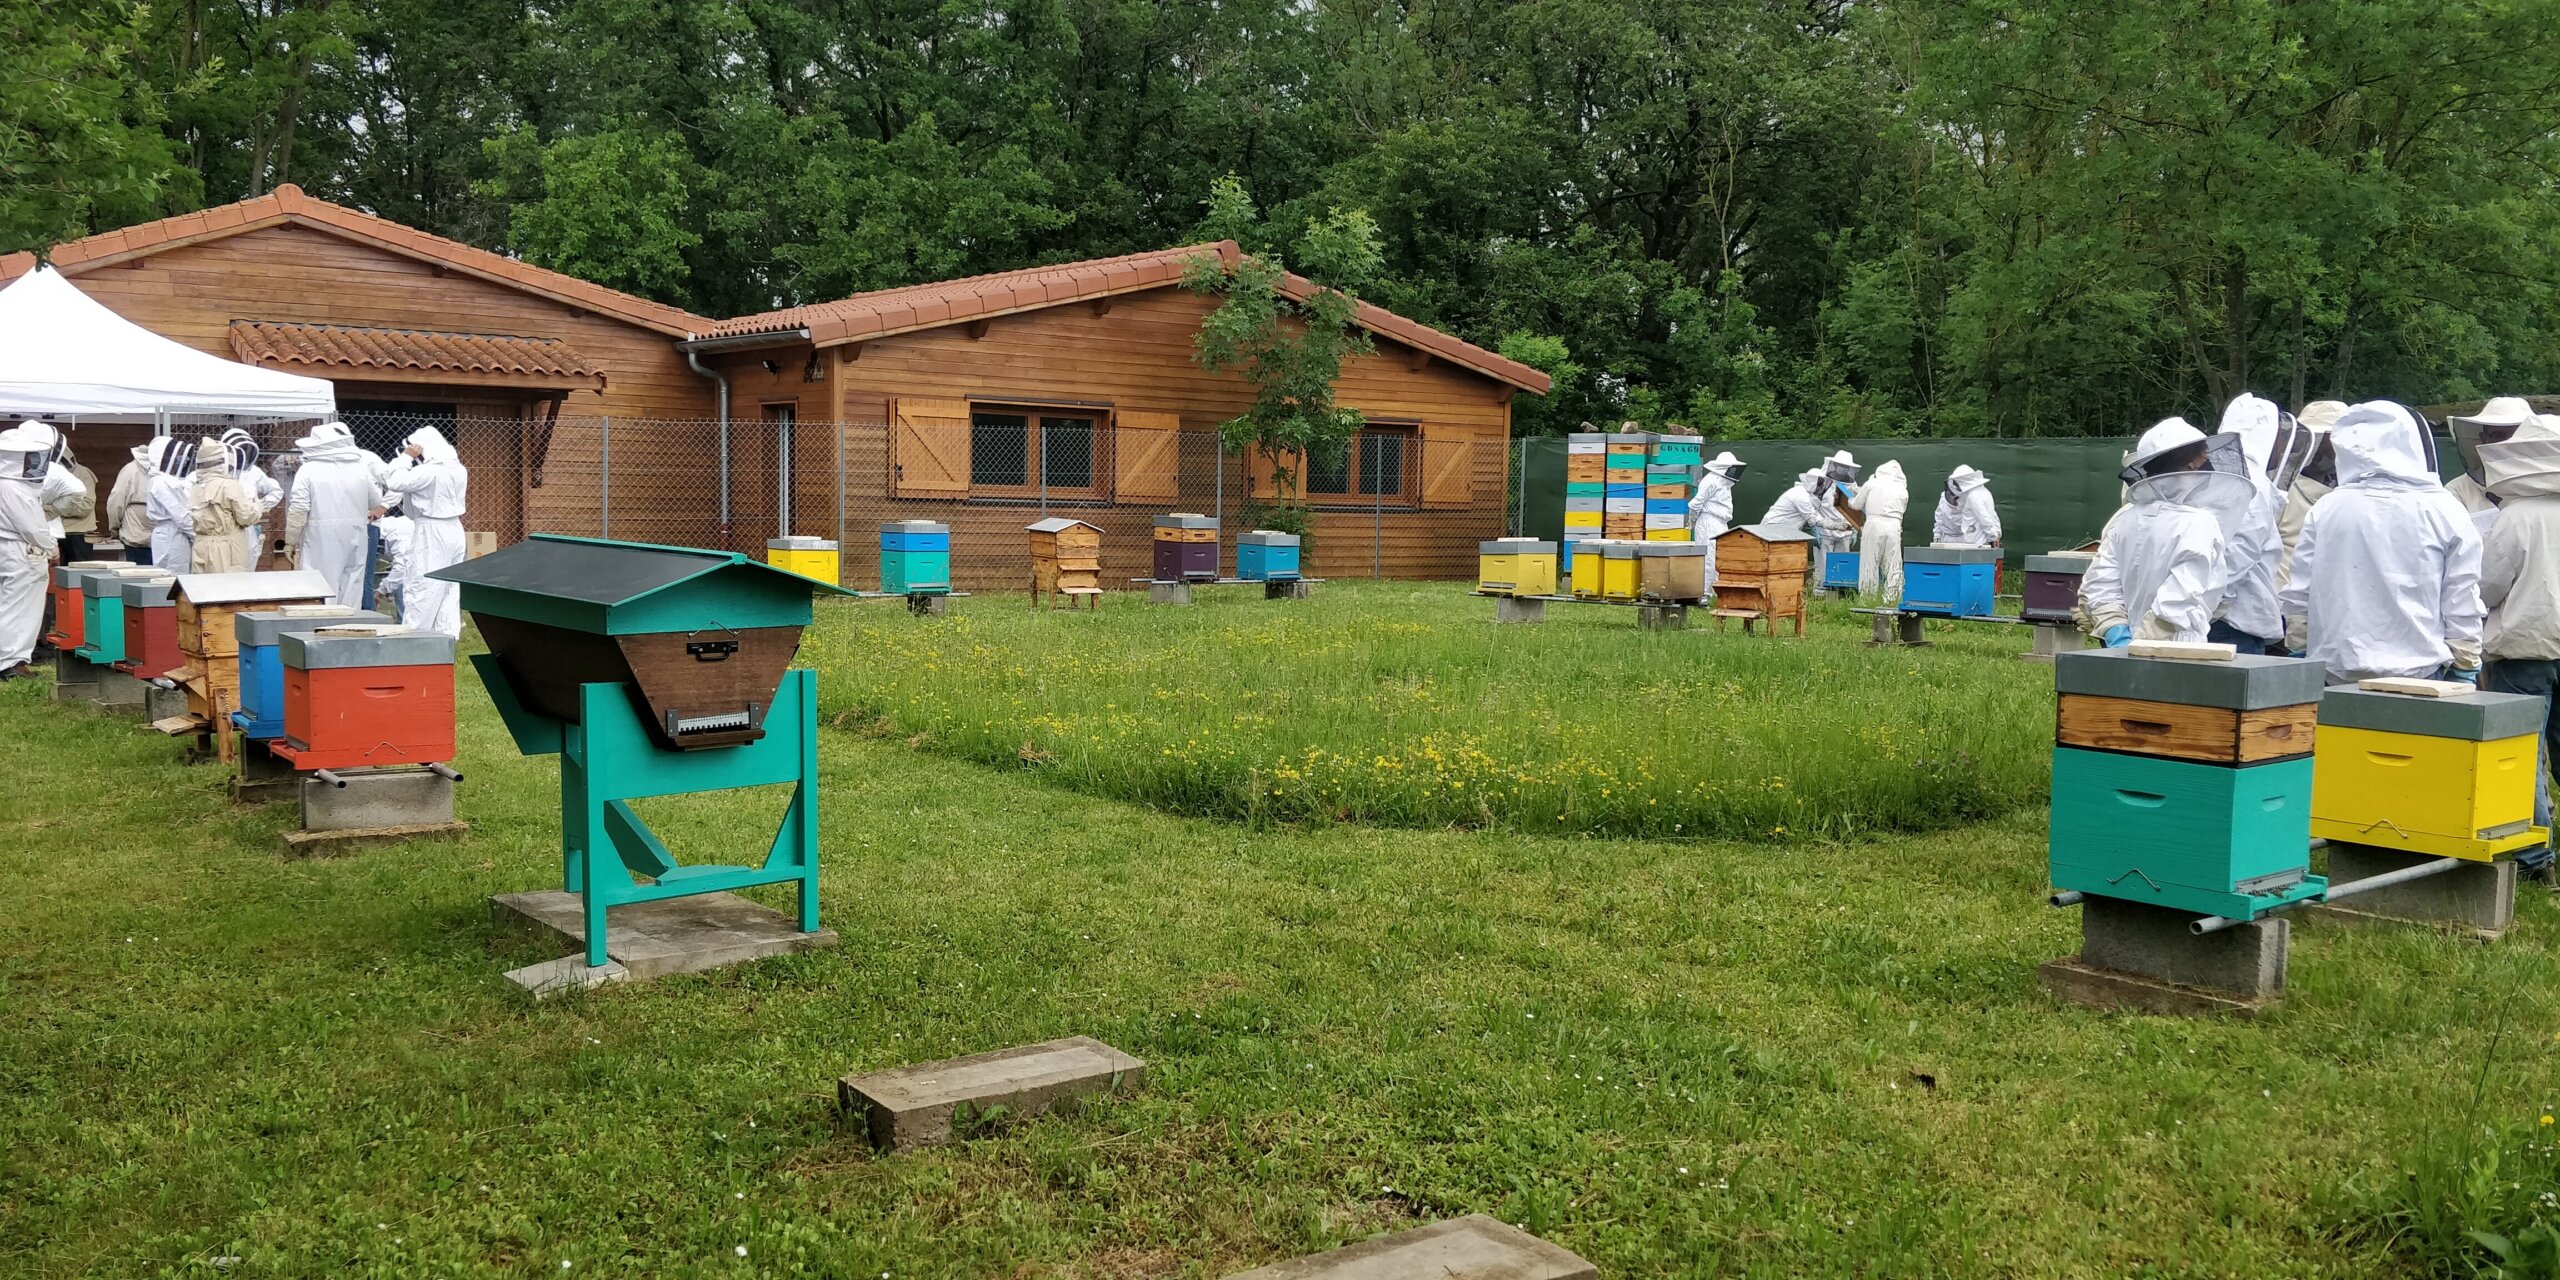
(693,356)
(743,341)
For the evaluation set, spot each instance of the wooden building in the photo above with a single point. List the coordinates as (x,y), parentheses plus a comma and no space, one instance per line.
(1069,390)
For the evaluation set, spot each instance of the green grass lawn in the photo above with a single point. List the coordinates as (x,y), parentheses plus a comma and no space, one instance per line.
(1676,1057)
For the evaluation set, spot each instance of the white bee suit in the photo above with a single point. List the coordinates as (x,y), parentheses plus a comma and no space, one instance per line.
(173,527)
(431,489)
(2160,571)
(327,516)
(26,543)
(2257,545)
(2388,570)
(264,493)
(1885,499)
(1711,508)
(1966,516)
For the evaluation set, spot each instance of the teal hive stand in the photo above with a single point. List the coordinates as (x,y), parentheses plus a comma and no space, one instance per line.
(652,671)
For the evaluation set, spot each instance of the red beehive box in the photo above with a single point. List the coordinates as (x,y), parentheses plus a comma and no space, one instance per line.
(366,696)
(151,628)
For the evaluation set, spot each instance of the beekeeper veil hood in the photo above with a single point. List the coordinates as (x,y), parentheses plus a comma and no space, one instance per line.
(1728,467)
(25,452)
(171,456)
(1964,480)
(432,446)
(213,459)
(2525,462)
(243,448)
(2497,420)
(1840,467)
(2175,463)
(2256,421)
(2380,445)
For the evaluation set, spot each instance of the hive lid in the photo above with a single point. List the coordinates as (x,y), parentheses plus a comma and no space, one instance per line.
(1666,548)
(1515,547)
(368,645)
(2247,682)
(915,526)
(257,627)
(2059,562)
(1266,538)
(1951,555)
(1616,550)
(1056,524)
(244,588)
(1186,520)
(149,592)
(1586,437)
(796,543)
(626,588)
(1768,533)
(78,573)
(103,583)
(1629,437)
(2472,717)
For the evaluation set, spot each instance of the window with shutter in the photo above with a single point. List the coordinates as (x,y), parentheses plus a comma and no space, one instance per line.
(1146,456)
(1448,468)
(929,448)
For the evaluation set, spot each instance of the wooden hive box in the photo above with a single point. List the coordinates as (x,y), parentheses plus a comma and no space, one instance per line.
(1185,547)
(209,606)
(1066,560)
(2446,777)
(1672,571)
(1760,569)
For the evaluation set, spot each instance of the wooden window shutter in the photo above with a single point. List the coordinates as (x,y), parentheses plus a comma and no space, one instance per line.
(1146,455)
(1448,468)
(1262,472)
(928,448)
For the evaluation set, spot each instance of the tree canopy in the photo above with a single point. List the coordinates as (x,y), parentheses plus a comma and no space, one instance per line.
(1759,217)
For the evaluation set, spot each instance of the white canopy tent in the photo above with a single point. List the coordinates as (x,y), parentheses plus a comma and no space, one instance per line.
(63,355)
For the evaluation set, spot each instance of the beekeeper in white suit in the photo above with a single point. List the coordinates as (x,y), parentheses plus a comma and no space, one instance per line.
(2249,618)
(262,488)
(2496,421)
(431,485)
(2160,570)
(173,528)
(325,519)
(1711,507)
(2520,585)
(2312,479)
(26,544)
(1885,498)
(1966,516)
(2387,575)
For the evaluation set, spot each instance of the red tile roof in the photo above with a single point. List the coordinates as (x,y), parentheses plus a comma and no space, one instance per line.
(287,204)
(318,349)
(887,312)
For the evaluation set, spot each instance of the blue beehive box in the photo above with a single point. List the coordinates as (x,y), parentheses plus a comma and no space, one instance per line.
(1266,555)
(1955,582)
(915,558)
(1840,570)
(261,711)
(1665,507)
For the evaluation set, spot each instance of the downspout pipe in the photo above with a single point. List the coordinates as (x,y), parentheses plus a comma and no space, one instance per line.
(693,349)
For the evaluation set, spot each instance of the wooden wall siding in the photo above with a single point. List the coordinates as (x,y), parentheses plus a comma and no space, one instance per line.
(296,273)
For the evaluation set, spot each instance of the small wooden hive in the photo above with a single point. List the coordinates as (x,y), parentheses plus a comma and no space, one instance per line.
(102,611)
(2052,586)
(1267,555)
(818,558)
(2184,784)
(1516,567)
(1955,582)
(366,695)
(70,601)
(1066,560)
(698,639)
(2448,776)
(151,627)
(915,558)
(1186,548)
(208,606)
(261,665)
(1760,571)
(1672,572)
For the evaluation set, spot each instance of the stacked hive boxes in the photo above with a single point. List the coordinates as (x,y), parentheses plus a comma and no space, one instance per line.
(1267,555)
(2052,587)
(2185,785)
(1186,547)
(1956,582)
(261,713)
(1516,567)
(208,609)
(1760,569)
(1622,497)
(1586,476)
(1670,479)
(2447,777)
(915,558)
(1066,560)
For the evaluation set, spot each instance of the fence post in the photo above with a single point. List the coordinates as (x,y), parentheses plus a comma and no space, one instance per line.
(1519,484)
(1378,517)
(604,482)
(840,486)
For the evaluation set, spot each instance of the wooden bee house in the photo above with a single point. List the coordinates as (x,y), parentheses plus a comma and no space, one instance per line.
(2449,776)
(1760,572)
(208,606)
(2184,784)
(652,671)
(1066,561)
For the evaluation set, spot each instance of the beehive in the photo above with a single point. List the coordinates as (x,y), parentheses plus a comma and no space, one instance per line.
(1066,560)
(261,664)
(208,606)
(1266,555)
(1840,570)
(102,611)
(1955,582)
(1760,570)
(1619,575)
(1186,547)
(1516,567)
(2052,586)
(1672,572)
(2184,784)
(71,601)
(915,558)
(2447,777)
(1584,581)
(151,627)
(818,558)
(365,695)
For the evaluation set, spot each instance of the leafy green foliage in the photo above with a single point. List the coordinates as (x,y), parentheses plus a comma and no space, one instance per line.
(80,144)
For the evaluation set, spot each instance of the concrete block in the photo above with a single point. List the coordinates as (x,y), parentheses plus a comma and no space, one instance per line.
(1514,609)
(1890,627)
(917,1106)
(672,935)
(568,973)
(373,798)
(1285,589)
(1663,617)
(2052,641)
(2248,682)
(162,704)
(2135,954)
(933,606)
(1474,1247)
(118,692)
(1168,593)
(2476,898)
(262,779)
(74,677)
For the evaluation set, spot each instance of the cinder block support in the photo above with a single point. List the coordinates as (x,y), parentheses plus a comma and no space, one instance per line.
(2477,898)
(1663,617)
(2138,956)
(1911,629)
(161,704)
(2054,638)
(1284,589)
(75,679)
(1472,1246)
(262,778)
(1516,609)
(1168,593)
(376,798)
(929,606)
(118,692)
(918,1106)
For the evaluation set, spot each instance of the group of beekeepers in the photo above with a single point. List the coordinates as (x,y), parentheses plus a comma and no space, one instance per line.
(1828,504)
(2328,535)
(199,507)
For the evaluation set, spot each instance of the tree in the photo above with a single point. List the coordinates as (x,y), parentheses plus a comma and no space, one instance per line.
(1286,336)
(80,144)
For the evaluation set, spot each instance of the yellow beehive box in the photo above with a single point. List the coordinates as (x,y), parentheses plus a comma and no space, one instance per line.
(1516,567)
(1666,535)
(2446,777)
(1582,519)
(809,557)
(1618,576)
(1587,560)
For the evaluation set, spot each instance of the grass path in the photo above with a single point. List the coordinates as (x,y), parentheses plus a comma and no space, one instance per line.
(1678,1059)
